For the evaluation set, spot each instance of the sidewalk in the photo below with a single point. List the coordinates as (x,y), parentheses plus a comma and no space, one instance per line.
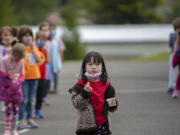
(126,51)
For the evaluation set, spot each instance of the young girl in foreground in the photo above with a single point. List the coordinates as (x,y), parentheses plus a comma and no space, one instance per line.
(93,96)
(11,78)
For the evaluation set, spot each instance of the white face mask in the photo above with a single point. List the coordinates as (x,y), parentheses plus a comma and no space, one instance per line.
(96,75)
(4,42)
(26,39)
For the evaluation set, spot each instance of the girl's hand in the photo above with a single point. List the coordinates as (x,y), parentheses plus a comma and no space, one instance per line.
(87,87)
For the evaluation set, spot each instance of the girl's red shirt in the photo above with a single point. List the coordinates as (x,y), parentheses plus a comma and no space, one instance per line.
(97,99)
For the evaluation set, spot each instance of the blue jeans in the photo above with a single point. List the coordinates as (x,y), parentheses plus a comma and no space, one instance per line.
(29,91)
(55,79)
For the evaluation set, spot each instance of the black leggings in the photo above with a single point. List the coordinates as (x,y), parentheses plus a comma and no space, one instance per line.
(40,94)
(47,87)
(86,133)
(101,130)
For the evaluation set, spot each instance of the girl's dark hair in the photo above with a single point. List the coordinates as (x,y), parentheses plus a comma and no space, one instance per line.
(176,23)
(15,31)
(15,36)
(14,41)
(97,58)
(25,29)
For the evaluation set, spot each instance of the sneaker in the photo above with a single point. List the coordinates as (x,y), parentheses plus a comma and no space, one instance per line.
(175,94)
(32,123)
(7,132)
(15,132)
(170,91)
(39,114)
(22,125)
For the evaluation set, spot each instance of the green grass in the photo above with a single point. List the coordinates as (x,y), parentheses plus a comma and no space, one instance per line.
(164,56)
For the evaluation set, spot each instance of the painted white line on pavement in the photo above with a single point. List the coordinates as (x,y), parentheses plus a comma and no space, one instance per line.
(141,90)
(20,132)
(23,131)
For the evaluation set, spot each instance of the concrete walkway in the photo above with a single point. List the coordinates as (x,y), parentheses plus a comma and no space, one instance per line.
(126,51)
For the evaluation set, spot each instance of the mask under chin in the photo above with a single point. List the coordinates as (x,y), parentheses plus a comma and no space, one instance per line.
(4,42)
(96,75)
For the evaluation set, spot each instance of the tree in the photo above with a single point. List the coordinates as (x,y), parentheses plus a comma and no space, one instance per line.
(7,14)
(33,12)
(123,11)
(70,14)
(175,10)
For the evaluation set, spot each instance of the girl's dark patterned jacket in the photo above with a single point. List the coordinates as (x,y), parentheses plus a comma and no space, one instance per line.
(80,99)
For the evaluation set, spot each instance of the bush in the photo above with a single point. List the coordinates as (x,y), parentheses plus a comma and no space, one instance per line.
(74,49)
(175,10)
(7,15)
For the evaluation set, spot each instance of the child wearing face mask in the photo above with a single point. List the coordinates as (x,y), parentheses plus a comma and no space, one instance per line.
(93,96)
(32,74)
(40,42)
(61,46)
(7,39)
(57,49)
(173,72)
(176,62)
(6,36)
(44,27)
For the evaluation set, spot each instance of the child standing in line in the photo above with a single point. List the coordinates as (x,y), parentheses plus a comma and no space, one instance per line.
(11,78)
(6,36)
(56,50)
(176,61)
(32,74)
(40,42)
(7,40)
(93,96)
(173,71)
(44,27)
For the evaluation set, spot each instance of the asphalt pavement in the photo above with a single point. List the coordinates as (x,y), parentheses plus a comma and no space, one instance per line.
(144,106)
